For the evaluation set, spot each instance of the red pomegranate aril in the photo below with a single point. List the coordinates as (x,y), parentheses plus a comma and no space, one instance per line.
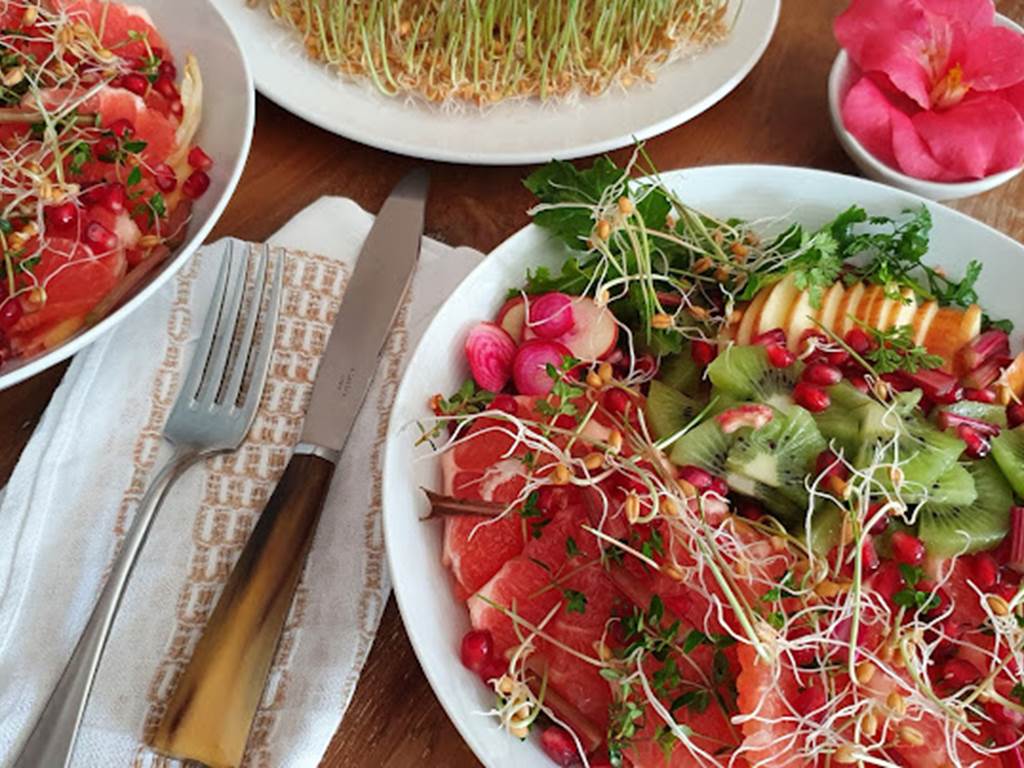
(106,148)
(645,365)
(858,340)
(476,649)
(703,352)
(10,313)
(493,669)
(869,555)
(615,400)
(506,404)
(978,446)
(559,746)
(718,487)
(165,87)
(61,217)
(1015,414)
(810,699)
(167,70)
(122,128)
(177,108)
(828,464)
(775,336)
(950,420)
(881,523)
(196,184)
(699,478)
(99,238)
(979,395)
(164,177)
(199,159)
(812,397)
(114,197)
(907,548)
(958,673)
(838,358)
(779,356)
(984,571)
(822,374)
(135,83)
(888,581)
(860,384)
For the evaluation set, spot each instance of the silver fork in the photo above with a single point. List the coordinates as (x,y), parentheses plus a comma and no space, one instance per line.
(206,419)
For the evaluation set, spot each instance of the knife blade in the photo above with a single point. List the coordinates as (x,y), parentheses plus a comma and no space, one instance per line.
(210,713)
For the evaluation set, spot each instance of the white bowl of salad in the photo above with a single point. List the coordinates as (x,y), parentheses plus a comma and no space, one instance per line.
(722,468)
(123,132)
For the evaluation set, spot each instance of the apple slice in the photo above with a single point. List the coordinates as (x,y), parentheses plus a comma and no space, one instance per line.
(872,301)
(750,317)
(903,311)
(847,309)
(1010,386)
(830,304)
(595,333)
(777,306)
(512,317)
(801,318)
(923,319)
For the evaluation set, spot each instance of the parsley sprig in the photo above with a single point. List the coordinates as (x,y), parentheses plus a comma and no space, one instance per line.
(894,350)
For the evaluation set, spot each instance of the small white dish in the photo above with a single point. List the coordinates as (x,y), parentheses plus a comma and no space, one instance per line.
(510,133)
(434,620)
(229,111)
(840,80)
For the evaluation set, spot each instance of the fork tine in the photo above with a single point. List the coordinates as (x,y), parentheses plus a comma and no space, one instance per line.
(262,357)
(195,372)
(243,355)
(224,335)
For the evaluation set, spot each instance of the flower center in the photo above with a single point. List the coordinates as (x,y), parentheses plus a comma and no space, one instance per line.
(951,89)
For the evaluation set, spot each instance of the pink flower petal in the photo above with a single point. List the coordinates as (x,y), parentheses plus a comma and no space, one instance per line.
(889,36)
(971,13)
(866,114)
(1015,95)
(980,136)
(993,59)
(913,156)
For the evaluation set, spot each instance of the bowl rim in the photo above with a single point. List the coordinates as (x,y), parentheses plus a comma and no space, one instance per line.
(417,633)
(176,260)
(938,190)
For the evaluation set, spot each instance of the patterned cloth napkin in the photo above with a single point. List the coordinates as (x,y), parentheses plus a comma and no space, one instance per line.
(74,491)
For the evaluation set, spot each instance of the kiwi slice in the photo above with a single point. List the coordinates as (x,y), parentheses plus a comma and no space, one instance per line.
(704,446)
(954,486)
(779,456)
(841,427)
(826,526)
(745,373)
(1008,451)
(846,397)
(948,529)
(668,410)
(990,412)
(682,374)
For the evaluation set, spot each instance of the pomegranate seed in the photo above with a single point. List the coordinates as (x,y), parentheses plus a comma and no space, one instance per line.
(167,70)
(958,673)
(505,403)
(978,447)
(196,184)
(1005,590)
(565,421)
(906,548)
(810,699)
(753,415)
(559,746)
(615,400)
(493,669)
(888,581)
(979,395)
(699,478)
(1000,713)
(869,555)
(822,374)
(779,356)
(811,339)
(476,649)
(857,340)
(828,464)
(813,398)
(1015,414)
(718,487)
(645,364)
(99,238)
(163,175)
(106,149)
(10,313)
(177,108)
(703,352)
(776,336)
(122,128)
(199,159)
(860,384)
(62,217)
(165,87)
(838,358)
(137,84)
(879,526)
(113,197)
(984,571)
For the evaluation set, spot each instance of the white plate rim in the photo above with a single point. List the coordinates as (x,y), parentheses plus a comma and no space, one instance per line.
(292,101)
(175,262)
(418,635)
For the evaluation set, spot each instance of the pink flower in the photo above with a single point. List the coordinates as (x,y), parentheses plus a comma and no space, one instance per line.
(940,89)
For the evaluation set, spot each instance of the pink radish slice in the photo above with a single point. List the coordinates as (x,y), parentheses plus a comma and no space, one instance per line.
(490,351)
(596,331)
(512,317)
(550,315)
(530,368)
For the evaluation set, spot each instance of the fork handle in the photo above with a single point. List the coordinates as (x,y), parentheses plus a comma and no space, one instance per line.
(209,715)
(52,740)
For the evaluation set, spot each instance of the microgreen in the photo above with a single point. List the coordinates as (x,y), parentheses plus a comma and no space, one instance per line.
(576,601)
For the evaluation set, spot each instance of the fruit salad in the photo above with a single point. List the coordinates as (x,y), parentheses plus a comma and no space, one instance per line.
(719,493)
(98,169)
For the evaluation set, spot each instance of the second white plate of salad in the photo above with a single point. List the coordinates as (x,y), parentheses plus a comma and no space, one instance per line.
(732,487)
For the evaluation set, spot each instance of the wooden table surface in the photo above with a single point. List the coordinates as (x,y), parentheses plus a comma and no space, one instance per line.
(778,115)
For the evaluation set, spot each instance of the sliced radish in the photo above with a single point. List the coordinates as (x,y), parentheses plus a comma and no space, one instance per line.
(550,315)
(596,331)
(490,351)
(512,317)
(530,368)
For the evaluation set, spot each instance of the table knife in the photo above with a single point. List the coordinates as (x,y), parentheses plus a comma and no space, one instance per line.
(211,710)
